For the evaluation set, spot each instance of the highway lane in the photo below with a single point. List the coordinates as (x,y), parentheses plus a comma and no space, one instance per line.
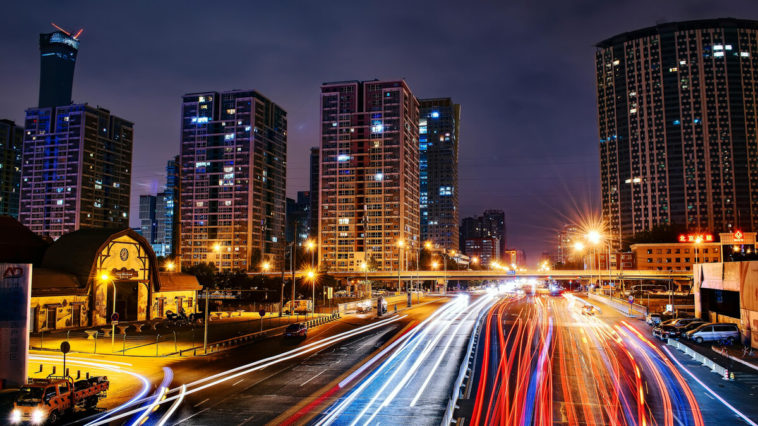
(412,384)
(257,383)
(541,361)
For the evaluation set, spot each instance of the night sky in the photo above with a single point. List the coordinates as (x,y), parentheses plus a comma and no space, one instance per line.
(523,72)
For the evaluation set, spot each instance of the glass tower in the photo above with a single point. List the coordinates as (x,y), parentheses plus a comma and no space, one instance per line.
(58,58)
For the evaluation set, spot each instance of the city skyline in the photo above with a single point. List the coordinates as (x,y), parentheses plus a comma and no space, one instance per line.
(151,69)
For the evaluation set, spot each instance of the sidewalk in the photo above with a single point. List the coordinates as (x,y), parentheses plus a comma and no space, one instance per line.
(164,341)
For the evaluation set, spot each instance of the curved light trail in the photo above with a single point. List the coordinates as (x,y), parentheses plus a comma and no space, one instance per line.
(543,362)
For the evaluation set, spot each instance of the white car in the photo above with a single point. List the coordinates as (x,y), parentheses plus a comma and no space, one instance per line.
(715,332)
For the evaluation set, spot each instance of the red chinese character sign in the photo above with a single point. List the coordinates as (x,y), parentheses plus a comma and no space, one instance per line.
(696,238)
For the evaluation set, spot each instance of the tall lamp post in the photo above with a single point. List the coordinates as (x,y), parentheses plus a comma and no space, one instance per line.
(107,278)
(435,265)
(310,245)
(364,266)
(312,278)
(400,245)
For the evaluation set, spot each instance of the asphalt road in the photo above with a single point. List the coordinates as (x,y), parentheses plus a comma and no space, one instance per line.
(274,379)
(539,360)
(413,384)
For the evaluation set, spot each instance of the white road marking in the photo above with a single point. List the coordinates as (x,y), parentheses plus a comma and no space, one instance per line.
(312,378)
(187,418)
(201,403)
(238,382)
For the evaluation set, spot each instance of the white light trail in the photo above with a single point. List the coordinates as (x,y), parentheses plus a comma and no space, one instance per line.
(248,368)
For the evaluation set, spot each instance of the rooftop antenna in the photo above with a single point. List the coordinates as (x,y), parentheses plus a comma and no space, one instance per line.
(75,36)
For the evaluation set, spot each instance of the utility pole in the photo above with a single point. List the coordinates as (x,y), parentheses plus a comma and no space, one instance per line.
(293,262)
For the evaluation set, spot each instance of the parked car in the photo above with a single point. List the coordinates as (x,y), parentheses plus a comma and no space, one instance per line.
(680,330)
(296,330)
(669,328)
(655,318)
(715,332)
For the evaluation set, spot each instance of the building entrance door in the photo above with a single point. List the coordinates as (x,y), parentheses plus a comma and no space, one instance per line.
(126,300)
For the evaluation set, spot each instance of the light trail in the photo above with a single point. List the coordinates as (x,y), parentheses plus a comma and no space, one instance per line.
(105,365)
(216,379)
(331,415)
(597,376)
(384,384)
(173,407)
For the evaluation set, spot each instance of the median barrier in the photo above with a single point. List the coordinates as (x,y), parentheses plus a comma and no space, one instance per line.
(620,306)
(697,356)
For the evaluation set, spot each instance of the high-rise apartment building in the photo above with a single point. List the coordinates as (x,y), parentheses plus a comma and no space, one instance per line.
(313,194)
(491,224)
(298,217)
(678,124)
(158,212)
(11,141)
(439,121)
(147,218)
(369,175)
(486,250)
(76,170)
(58,52)
(568,236)
(233,171)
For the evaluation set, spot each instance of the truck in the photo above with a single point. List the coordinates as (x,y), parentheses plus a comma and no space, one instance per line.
(45,400)
(302,306)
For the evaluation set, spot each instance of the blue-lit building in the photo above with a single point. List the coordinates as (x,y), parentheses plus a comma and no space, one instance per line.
(76,159)
(58,52)
(439,122)
(11,140)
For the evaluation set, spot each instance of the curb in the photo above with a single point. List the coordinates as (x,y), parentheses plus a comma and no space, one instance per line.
(734,358)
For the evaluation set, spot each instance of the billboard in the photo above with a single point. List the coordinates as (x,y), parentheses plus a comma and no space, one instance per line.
(15,301)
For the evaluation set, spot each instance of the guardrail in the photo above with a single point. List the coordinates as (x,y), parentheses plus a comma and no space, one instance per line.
(234,342)
(715,368)
(463,373)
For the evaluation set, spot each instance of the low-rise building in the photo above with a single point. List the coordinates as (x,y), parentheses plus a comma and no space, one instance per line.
(74,278)
(674,256)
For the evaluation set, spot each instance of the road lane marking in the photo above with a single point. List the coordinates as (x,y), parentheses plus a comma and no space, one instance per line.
(193,415)
(238,382)
(313,378)
(200,403)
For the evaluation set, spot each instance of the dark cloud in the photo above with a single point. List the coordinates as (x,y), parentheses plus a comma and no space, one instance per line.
(522,70)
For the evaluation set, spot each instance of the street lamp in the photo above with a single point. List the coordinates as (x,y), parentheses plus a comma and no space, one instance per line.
(312,278)
(595,237)
(310,245)
(170,266)
(106,278)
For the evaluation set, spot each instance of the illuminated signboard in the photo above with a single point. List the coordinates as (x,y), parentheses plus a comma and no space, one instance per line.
(738,236)
(695,238)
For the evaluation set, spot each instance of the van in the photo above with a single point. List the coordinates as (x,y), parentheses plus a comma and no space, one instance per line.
(715,332)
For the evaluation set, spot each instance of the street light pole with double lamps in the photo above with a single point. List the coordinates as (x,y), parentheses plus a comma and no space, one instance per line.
(312,278)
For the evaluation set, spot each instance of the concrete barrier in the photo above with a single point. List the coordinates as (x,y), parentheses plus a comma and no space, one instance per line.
(697,356)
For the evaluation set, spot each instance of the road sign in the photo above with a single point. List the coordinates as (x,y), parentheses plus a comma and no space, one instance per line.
(262,313)
(631,299)
(65,347)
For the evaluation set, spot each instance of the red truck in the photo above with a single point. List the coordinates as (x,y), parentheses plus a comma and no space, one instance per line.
(45,400)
